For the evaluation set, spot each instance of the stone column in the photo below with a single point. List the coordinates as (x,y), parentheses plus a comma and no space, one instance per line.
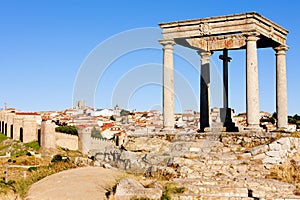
(252,93)
(168,84)
(281,90)
(204,89)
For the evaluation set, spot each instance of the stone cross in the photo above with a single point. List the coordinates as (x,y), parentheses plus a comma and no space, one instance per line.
(226,60)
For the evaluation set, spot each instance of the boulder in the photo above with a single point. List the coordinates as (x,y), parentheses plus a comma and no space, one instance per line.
(129,189)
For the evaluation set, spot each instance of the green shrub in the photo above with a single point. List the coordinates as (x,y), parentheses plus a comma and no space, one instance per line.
(67,129)
(2,137)
(34,145)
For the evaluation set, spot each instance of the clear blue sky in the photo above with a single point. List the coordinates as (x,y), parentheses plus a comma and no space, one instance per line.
(44,43)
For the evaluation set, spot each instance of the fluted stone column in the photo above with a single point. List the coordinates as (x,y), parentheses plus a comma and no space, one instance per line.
(168,84)
(204,89)
(281,89)
(252,93)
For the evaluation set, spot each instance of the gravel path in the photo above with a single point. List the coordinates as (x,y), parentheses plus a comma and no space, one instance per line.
(75,184)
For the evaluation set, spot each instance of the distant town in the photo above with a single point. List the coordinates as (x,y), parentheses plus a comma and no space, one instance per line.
(107,123)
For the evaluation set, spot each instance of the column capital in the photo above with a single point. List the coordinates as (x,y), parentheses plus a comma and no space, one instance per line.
(252,36)
(205,54)
(281,49)
(168,44)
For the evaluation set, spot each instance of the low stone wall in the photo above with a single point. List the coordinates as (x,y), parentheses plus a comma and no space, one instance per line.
(97,143)
(66,141)
(249,139)
(276,152)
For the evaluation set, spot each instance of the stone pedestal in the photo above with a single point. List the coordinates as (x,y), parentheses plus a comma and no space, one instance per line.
(221,121)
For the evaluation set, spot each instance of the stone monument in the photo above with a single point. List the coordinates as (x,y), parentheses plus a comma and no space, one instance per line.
(247,31)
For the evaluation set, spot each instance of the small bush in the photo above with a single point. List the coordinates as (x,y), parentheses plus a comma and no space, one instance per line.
(32,169)
(34,145)
(171,189)
(57,158)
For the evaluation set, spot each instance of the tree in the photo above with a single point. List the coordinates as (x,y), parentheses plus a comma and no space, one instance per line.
(296,117)
(124,112)
(112,118)
(96,133)
(291,120)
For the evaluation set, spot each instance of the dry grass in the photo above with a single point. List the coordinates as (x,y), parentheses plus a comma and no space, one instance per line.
(22,185)
(288,172)
(295,134)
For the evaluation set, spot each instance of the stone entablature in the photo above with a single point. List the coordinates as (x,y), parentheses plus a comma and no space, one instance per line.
(227,31)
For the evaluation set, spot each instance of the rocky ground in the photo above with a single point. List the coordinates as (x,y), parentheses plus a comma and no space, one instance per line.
(179,166)
(211,166)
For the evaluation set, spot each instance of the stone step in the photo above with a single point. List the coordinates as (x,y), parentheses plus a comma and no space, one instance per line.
(288,198)
(208,197)
(209,182)
(217,190)
(198,181)
(227,162)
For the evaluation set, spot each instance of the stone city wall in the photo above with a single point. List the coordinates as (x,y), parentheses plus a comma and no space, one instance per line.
(66,141)
(18,127)
(97,143)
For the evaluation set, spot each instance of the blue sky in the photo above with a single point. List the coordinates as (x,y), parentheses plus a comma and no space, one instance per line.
(43,45)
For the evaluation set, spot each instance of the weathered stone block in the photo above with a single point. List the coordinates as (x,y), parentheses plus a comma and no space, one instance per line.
(259,149)
(259,156)
(273,154)
(272,160)
(275,146)
(128,189)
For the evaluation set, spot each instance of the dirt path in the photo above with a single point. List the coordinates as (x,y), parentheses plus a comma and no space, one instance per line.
(75,184)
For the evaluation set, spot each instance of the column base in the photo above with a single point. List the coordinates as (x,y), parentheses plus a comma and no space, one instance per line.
(222,129)
(255,128)
(221,121)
